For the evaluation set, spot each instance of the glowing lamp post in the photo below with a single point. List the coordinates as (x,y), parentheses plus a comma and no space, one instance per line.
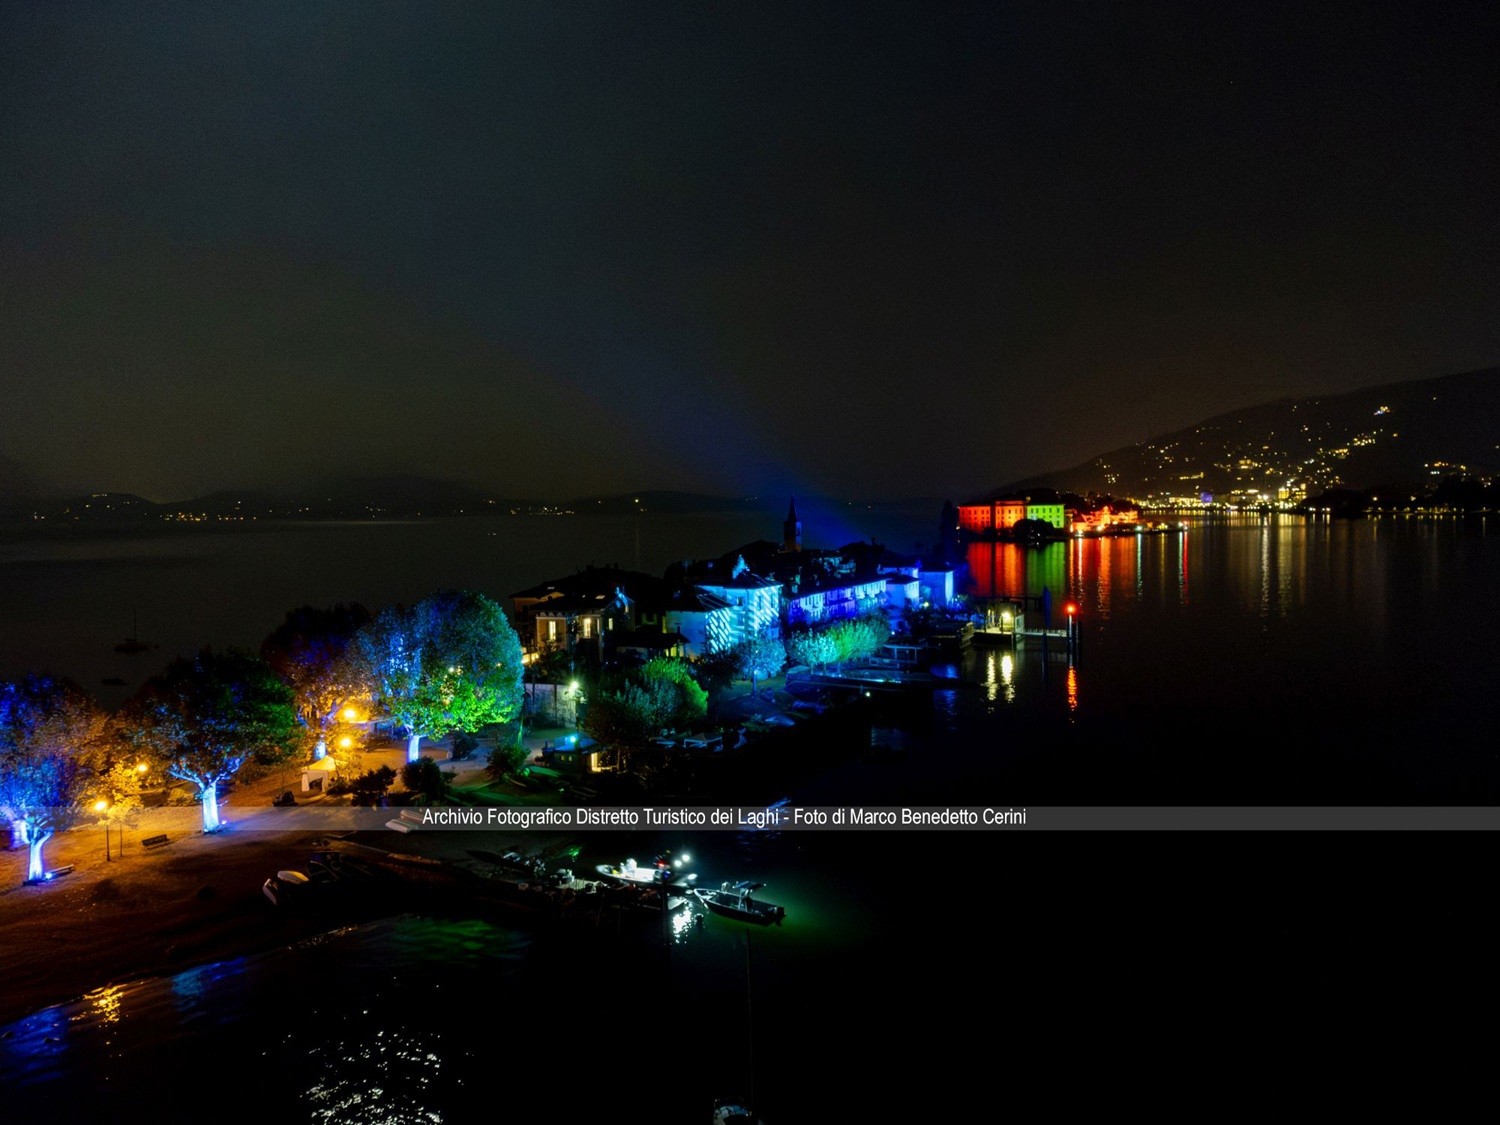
(1071,609)
(101,806)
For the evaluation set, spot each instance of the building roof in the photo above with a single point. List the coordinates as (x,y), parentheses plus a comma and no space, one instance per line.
(694,599)
(742,581)
(572,605)
(829,587)
(596,580)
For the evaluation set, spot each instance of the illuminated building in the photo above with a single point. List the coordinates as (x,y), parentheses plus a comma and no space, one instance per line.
(1047,513)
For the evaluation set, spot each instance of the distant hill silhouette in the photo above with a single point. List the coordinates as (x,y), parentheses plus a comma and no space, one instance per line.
(384,497)
(1410,433)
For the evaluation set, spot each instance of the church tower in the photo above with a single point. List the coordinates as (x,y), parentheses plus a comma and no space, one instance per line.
(791,531)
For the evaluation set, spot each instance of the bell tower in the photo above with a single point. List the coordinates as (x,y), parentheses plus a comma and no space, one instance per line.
(791,531)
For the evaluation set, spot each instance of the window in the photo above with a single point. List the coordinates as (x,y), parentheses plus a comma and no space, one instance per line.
(552,629)
(586,627)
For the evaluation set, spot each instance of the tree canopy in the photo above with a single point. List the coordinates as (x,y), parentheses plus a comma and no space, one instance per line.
(813,649)
(51,733)
(204,717)
(311,651)
(761,654)
(450,662)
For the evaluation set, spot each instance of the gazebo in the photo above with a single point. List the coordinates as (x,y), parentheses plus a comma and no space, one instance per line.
(317,775)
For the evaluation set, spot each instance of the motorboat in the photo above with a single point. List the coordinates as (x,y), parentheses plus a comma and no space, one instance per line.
(731,1111)
(736,900)
(665,868)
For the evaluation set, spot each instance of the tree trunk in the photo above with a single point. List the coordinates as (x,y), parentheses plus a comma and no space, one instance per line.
(412,753)
(34,868)
(320,751)
(211,807)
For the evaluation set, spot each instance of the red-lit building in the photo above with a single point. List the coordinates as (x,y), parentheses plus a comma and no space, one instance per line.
(998,515)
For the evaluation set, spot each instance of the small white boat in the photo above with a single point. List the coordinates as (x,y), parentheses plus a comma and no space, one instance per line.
(664,869)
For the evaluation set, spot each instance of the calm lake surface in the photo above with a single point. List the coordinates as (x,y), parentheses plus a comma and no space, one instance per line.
(1243,662)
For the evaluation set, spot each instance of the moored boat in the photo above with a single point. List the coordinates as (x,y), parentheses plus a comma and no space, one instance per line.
(664,869)
(735,900)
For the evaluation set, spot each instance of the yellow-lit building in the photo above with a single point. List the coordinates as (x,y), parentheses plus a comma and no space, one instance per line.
(1104,518)
(1008,513)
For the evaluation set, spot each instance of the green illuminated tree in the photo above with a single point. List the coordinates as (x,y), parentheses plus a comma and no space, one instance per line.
(451,662)
(632,716)
(859,638)
(812,649)
(680,699)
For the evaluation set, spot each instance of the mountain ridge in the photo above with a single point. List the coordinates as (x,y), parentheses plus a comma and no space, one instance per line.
(1409,433)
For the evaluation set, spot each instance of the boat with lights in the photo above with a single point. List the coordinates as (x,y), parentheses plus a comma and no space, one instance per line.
(665,868)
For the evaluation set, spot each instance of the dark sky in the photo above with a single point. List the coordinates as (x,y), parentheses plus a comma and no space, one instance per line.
(857,248)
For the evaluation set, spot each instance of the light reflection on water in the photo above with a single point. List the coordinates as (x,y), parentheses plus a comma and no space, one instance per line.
(339,1024)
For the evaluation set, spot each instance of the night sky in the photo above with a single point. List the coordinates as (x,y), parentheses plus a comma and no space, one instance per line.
(866,249)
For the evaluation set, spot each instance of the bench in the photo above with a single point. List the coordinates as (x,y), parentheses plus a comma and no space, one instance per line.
(155,841)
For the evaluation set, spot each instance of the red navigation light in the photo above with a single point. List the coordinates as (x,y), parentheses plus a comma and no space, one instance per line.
(1070,609)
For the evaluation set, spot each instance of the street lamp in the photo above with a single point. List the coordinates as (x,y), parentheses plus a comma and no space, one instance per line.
(100,807)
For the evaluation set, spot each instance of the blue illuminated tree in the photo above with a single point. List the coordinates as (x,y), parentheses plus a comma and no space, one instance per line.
(311,651)
(204,718)
(49,730)
(450,662)
(760,655)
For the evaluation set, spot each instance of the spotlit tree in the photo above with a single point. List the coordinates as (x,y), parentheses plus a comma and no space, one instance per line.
(670,680)
(450,662)
(311,651)
(813,649)
(115,784)
(859,638)
(761,654)
(49,728)
(204,718)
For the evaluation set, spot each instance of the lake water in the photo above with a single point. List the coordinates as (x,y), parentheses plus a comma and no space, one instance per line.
(1245,662)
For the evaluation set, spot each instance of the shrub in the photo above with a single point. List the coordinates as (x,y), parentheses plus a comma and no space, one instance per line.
(424,777)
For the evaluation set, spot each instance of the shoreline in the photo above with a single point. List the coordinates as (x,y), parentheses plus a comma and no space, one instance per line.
(140,916)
